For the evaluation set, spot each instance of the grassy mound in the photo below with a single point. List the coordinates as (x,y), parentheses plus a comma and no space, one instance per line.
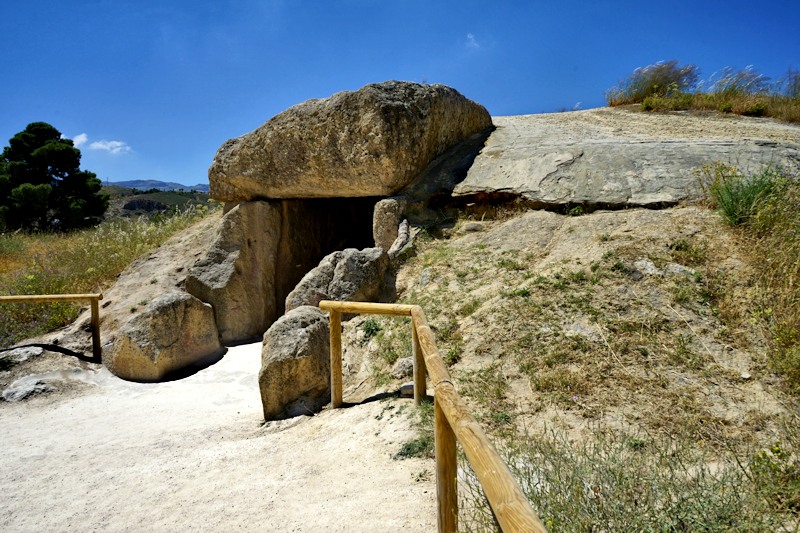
(77,262)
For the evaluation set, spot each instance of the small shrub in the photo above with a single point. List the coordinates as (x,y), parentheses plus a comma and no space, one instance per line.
(789,84)
(689,252)
(616,482)
(734,195)
(521,293)
(777,474)
(575,211)
(469,307)
(756,109)
(725,107)
(371,328)
(676,102)
(732,82)
(660,79)
(453,355)
(510,264)
(422,446)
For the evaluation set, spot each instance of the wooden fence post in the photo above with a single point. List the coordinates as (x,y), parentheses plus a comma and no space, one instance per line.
(446,470)
(97,350)
(336,358)
(419,365)
(452,423)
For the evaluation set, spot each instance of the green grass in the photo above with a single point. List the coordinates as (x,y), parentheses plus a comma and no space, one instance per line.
(422,445)
(766,206)
(738,197)
(77,262)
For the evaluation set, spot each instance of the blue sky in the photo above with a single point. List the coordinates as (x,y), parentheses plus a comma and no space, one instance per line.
(153,88)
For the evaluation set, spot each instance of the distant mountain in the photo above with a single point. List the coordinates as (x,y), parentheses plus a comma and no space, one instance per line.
(160,185)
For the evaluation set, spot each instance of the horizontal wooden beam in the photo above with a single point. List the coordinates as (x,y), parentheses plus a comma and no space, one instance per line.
(453,423)
(509,503)
(50,297)
(97,350)
(366,308)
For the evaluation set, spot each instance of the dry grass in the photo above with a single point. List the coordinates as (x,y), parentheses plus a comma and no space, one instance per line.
(766,209)
(77,262)
(594,371)
(641,482)
(668,86)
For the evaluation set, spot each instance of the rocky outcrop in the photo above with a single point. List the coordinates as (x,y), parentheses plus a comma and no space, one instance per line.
(236,273)
(578,160)
(182,326)
(174,331)
(355,275)
(304,184)
(25,387)
(371,142)
(295,364)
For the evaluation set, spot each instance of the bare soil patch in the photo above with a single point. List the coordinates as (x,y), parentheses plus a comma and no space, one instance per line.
(638,320)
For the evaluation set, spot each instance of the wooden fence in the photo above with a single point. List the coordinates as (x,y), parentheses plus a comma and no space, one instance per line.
(93,299)
(452,422)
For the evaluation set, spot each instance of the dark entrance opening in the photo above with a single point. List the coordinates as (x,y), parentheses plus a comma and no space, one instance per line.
(314,228)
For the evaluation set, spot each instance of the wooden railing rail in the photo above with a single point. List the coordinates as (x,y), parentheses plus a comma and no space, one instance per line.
(452,422)
(93,299)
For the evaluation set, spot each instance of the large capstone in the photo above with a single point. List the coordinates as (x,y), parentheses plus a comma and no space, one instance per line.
(371,142)
(640,161)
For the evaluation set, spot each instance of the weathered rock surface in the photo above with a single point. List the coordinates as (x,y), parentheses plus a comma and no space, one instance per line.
(236,273)
(403,367)
(386,218)
(295,364)
(24,388)
(402,241)
(19,355)
(371,142)
(175,331)
(146,280)
(350,274)
(636,159)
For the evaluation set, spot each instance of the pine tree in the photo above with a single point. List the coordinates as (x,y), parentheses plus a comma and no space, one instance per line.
(42,186)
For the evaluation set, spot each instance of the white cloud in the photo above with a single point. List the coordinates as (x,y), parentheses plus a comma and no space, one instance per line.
(472,43)
(112,147)
(80,140)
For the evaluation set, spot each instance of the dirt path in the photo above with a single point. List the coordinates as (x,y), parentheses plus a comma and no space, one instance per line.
(193,455)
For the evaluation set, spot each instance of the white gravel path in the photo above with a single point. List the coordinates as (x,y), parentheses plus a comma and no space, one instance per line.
(193,455)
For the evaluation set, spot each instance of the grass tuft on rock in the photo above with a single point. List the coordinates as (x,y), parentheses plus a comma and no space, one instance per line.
(668,86)
(766,205)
